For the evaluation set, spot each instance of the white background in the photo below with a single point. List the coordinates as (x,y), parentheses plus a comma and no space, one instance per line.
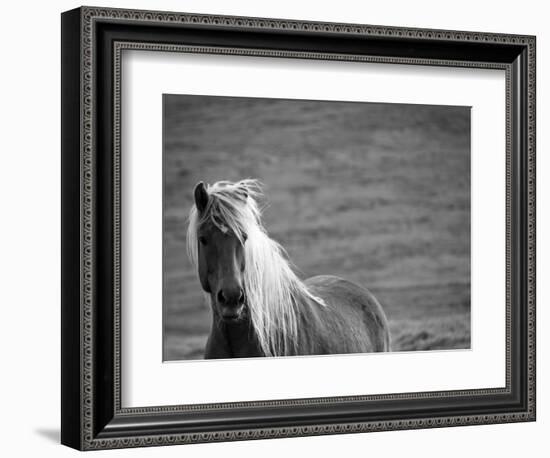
(148,75)
(29,241)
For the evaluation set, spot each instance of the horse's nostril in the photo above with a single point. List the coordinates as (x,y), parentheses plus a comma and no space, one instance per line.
(231,297)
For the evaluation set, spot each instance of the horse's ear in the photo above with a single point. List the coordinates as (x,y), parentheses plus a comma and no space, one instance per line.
(201,197)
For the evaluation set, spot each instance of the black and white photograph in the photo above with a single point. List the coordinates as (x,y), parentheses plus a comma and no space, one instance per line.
(310,227)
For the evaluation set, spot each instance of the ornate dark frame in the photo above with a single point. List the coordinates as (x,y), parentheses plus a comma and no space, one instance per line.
(92,42)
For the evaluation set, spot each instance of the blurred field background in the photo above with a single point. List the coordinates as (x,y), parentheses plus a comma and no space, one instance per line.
(375,193)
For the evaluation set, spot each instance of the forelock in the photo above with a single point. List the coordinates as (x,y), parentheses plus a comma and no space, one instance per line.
(233,206)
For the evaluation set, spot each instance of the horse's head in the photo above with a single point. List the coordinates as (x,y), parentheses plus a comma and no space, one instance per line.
(220,255)
(245,272)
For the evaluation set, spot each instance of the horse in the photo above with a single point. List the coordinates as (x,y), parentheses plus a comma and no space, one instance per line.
(259,305)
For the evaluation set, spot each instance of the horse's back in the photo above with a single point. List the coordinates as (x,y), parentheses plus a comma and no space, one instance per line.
(351,311)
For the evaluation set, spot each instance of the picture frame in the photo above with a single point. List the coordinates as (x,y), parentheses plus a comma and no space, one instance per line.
(93,416)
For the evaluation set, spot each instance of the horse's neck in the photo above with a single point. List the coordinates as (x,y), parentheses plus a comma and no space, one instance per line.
(242,340)
(232,340)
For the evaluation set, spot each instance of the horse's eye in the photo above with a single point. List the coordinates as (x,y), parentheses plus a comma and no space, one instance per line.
(202,240)
(245,237)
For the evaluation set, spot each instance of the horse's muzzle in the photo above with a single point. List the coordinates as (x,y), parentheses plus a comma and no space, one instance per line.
(232,314)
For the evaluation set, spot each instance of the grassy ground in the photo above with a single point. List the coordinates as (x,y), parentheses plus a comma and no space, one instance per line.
(375,193)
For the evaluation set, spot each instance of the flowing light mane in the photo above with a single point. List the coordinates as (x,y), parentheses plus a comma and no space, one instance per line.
(273,291)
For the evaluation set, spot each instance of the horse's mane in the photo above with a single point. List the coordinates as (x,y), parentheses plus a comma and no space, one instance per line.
(273,291)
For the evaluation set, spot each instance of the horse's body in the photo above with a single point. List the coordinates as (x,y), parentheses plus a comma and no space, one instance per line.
(266,310)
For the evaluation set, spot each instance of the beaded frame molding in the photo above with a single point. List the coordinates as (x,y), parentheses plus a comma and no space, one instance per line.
(93,40)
